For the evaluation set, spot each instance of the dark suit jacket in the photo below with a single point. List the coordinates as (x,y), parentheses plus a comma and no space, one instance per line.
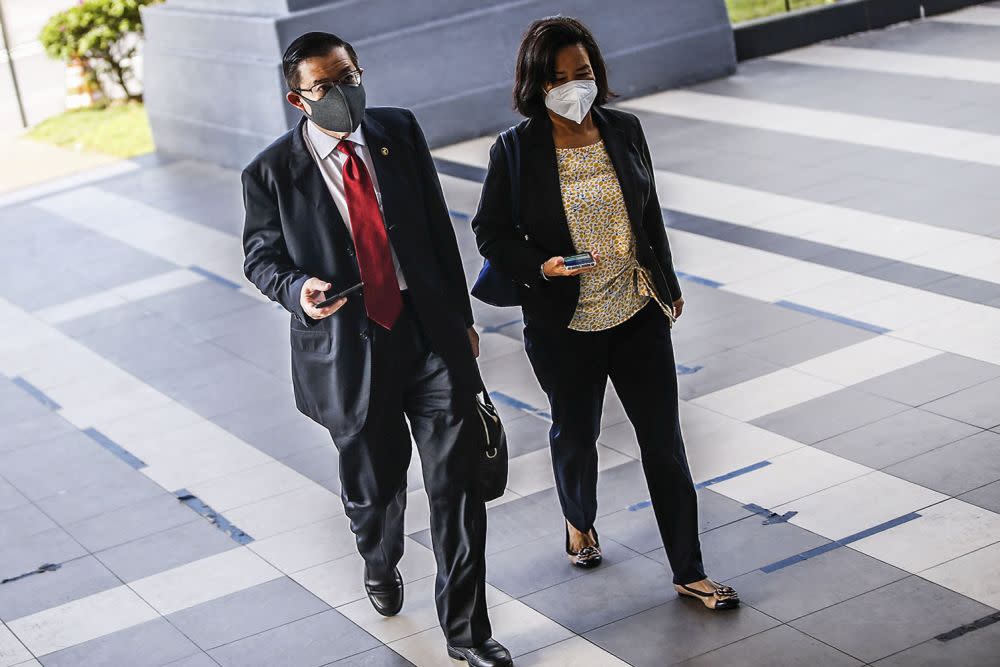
(544,232)
(293,231)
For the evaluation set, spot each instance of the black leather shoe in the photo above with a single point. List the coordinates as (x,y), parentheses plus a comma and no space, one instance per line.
(386,594)
(488,654)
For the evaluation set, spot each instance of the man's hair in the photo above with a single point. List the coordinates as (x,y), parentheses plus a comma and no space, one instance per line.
(536,61)
(311,45)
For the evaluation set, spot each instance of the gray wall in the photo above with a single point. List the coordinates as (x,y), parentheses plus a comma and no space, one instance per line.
(214,87)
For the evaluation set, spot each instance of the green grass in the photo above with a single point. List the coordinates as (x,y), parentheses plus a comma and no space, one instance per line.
(744,10)
(120,129)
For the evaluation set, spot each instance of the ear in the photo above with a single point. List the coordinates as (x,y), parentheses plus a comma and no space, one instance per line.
(297,101)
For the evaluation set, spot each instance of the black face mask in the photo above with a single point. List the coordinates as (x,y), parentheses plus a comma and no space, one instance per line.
(340,110)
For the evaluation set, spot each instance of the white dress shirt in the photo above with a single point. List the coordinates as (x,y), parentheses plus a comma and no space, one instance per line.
(323,149)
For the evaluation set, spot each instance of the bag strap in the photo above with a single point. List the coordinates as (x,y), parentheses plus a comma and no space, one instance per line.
(512,151)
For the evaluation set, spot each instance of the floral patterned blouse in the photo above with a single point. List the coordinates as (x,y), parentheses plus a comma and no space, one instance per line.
(598,222)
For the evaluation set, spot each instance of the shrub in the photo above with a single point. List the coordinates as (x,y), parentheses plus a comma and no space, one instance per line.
(103,33)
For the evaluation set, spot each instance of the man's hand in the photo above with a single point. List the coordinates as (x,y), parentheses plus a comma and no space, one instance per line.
(556,267)
(678,307)
(313,292)
(474,341)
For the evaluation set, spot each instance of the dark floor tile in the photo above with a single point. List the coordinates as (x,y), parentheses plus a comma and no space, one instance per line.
(956,468)
(977,405)
(75,579)
(248,612)
(748,544)
(145,517)
(721,370)
(781,646)
(891,619)
(314,640)
(931,379)
(149,644)
(815,583)
(987,496)
(79,503)
(829,415)
(896,438)
(677,630)
(975,649)
(540,564)
(382,656)
(51,546)
(637,529)
(605,595)
(804,342)
(165,550)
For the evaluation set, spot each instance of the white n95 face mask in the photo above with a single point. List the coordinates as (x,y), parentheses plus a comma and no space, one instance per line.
(572,100)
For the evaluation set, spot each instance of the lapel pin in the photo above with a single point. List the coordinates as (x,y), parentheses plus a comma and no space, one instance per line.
(384,151)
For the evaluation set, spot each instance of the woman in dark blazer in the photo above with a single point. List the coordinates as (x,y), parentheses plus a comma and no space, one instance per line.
(587,185)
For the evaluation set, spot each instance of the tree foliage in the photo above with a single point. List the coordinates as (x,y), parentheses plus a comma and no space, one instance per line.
(103,33)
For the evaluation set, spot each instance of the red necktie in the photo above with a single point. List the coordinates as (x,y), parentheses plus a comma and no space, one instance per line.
(381,292)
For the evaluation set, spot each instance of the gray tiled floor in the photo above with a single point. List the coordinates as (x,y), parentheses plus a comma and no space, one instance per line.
(223,355)
(890,619)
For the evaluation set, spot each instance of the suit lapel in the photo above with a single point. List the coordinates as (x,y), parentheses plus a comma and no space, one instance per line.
(618,147)
(540,174)
(309,182)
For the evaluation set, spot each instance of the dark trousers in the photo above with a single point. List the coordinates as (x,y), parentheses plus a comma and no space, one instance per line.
(573,368)
(412,381)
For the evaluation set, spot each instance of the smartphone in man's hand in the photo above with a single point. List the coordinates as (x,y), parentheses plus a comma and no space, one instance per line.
(329,301)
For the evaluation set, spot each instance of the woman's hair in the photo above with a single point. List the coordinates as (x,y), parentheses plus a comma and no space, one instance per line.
(536,61)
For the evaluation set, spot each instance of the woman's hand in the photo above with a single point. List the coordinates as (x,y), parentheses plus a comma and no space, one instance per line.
(678,307)
(555,267)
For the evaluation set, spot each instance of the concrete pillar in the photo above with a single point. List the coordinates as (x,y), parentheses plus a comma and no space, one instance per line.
(213,80)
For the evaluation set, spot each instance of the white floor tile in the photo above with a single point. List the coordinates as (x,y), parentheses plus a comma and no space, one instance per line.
(12,651)
(337,582)
(82,620)
(790,476)
(838,126)
(865,360)
(985,16)
(204,580)
(769,393)
(859,504)
(425,649)
(975,575)
(308,546)
(574,652)
(532,472)
(895,62)
(287,511)
(80,307)
(943,532)
(717,445)
(249,486)
(419,611)
(522,629)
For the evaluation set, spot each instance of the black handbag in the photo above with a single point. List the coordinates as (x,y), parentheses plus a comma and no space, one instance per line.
(492,286)
(493,459)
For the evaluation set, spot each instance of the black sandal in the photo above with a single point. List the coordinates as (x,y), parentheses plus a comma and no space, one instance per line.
(723,597)
(587,557)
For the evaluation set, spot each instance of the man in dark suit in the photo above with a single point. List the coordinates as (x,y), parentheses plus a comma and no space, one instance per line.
(351,195)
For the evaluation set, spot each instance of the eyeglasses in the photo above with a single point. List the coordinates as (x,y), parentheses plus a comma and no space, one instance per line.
(319,90)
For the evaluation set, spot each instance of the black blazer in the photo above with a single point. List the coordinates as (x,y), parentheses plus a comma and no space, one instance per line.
(293,231)
(544,232)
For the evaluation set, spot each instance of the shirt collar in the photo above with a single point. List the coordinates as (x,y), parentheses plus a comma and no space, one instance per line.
(324,144)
